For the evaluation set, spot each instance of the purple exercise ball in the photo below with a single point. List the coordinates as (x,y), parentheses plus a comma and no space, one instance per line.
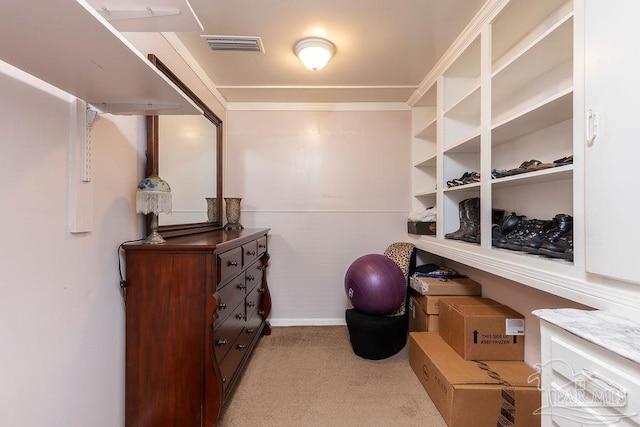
(375,284)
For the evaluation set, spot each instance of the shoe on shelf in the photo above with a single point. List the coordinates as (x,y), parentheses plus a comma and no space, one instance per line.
(522,227)
(538,229)
(568,160)
(561,248)
(508,224)
(560,224)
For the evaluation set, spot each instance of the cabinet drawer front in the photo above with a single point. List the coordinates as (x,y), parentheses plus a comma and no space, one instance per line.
(591,386)
(234,357)
(226,332)
(229,263)
(254,276)
(262,245)
(254,303)
(250,252)
(230,296)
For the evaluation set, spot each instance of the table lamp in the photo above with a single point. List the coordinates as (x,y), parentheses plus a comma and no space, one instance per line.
(153,196)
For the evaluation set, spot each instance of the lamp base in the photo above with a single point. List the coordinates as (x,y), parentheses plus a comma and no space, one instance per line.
(154,239)
(233,226)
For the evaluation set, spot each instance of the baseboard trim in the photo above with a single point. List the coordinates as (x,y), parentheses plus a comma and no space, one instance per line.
(307,322)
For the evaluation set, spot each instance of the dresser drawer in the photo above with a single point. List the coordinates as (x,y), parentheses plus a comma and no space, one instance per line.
(254,303)
(262,245)
(233,358)
(590,383)
(250,252)
(226,332)
(229,263)
(230,295)
(254,276)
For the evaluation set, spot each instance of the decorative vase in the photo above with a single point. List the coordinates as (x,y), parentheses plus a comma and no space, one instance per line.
(212,211)
(233,213)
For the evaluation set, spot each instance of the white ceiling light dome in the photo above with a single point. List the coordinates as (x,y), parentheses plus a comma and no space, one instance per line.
(314,52)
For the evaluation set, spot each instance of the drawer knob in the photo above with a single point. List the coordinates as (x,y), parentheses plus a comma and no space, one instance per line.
(242,286)
(250,331)
(222,306)
(241,316)
(251,303)
(262,246)
(221,342)
(261,312)
(232,263)
(261,290)
(241,346)
(251,278)
(252,253)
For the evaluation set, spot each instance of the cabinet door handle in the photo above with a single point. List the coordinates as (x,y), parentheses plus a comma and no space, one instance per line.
(251,278)
(261,290)
(221,342)
(241,316)
(592,127)
(251,304)
(222,306)
(232,263)
(262,246)
(252,253)
(261,312)
(241,346)
(250,331)
(242,286)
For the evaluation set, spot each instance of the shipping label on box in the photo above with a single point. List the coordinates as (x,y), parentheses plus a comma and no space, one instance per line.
(482,329)
(473,393)
(431,286)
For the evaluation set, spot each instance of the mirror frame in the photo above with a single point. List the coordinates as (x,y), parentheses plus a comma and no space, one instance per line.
(153,155)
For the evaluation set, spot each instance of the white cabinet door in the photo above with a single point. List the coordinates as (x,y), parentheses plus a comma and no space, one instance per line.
(612,158)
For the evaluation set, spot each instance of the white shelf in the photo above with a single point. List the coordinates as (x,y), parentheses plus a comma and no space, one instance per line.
(69,45)
(555,109)
(536,177)
(428,162)
(429,131)
(473,187)
(467,145)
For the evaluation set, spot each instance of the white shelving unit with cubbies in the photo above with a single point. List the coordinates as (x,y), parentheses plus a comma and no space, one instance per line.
(512,89)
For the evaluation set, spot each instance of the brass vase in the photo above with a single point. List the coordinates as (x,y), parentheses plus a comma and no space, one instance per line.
(212,211)
(233,213)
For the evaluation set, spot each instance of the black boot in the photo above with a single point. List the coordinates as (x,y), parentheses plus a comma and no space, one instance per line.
(539,229)
(508,225)
(561,223)
(462,217)
(472,233)
(561,248)
(524,227)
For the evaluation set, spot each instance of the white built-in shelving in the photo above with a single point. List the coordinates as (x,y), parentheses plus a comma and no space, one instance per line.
(511,89)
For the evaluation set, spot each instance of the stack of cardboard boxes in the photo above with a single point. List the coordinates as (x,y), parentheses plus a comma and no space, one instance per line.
(472,365)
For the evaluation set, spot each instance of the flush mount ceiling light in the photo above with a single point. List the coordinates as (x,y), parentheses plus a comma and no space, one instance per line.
(314,52)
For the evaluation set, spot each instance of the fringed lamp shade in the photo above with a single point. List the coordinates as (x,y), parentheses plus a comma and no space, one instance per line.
(153,196)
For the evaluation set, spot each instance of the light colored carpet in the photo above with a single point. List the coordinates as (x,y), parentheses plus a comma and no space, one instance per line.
(309,376)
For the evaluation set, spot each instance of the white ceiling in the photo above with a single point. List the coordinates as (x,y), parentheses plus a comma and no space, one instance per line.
(384,48)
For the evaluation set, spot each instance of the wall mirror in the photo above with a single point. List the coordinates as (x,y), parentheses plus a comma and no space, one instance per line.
(186,151)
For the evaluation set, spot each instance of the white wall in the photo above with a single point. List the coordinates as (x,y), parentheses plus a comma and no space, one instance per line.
(61,312)
(331,185)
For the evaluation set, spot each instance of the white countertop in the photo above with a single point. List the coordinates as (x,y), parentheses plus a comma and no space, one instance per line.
(618,334)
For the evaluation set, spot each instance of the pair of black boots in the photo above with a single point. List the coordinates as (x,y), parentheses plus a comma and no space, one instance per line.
(553,238)
(469,215)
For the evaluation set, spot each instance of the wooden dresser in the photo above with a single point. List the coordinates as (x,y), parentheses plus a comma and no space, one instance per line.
(195,309)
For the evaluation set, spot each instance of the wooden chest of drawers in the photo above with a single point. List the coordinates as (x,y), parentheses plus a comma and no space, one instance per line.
(196,307)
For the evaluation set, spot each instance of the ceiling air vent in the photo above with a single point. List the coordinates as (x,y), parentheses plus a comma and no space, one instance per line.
(235,43)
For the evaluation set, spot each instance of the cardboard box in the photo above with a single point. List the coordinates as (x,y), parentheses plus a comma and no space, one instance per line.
(477,394)
(430,304)
(423,228)
(429,286)
(419,319)
(482,329)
